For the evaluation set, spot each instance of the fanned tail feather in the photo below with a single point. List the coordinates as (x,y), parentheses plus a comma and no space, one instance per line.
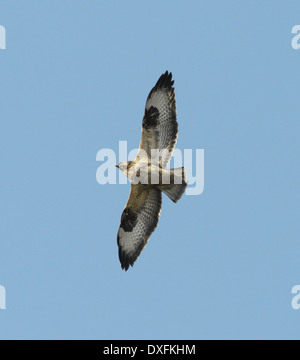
(178,184)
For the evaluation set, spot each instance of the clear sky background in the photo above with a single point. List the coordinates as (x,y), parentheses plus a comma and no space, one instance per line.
(73,80)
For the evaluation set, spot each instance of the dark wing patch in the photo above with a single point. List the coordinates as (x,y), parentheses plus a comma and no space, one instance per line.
(128,220)
(160,127)
(139,219)
(150,118)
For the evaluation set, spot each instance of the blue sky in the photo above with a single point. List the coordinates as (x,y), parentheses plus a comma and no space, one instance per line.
(74,79)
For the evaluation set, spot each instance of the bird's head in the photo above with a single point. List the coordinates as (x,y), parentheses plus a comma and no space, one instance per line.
(123,166)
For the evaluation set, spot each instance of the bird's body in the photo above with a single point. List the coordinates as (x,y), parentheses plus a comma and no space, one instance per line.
(148,174)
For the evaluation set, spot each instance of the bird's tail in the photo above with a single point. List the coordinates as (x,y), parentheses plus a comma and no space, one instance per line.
(177,186)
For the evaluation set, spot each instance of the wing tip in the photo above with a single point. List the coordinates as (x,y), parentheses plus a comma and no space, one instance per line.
(125,260)
(125,267)
(165,81)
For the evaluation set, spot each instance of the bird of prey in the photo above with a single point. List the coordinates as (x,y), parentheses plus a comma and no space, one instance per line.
(148,174)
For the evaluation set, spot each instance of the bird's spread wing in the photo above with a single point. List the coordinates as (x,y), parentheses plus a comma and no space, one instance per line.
(138,221)
(160,128)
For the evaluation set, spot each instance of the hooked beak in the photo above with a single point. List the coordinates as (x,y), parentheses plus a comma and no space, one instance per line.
(117,165)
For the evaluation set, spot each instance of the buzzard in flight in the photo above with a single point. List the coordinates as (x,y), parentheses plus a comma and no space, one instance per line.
(148,174)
